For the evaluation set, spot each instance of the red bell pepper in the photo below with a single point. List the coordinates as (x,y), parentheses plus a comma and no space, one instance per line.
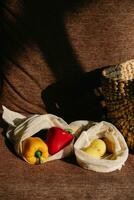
(57,139)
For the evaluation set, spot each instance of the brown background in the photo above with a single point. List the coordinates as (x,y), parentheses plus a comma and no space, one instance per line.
(48,49)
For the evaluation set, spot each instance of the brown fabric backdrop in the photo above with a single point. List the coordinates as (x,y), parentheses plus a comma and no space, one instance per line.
(52,46)
(47,41)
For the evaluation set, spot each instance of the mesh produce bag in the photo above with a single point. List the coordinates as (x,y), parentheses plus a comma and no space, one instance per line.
(118,92)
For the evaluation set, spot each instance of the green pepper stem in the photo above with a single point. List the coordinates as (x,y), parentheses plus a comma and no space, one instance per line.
(38,155)
(69,130)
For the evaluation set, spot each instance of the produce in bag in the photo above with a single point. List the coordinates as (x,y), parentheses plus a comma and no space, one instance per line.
(57,138)
(96,149)
(34,150)
(23,133)
(104,160)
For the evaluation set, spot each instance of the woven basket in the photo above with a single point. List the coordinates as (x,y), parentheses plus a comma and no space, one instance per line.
(118,92)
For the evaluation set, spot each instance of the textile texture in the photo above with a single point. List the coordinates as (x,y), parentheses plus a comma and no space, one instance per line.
(51,57)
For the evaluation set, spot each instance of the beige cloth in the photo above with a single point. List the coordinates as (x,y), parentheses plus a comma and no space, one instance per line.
(102,129)
(20,128)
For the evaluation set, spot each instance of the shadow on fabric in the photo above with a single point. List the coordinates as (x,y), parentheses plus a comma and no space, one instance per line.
(76,100)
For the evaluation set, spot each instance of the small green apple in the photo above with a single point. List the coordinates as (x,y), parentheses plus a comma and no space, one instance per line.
(92,152)
(96,149)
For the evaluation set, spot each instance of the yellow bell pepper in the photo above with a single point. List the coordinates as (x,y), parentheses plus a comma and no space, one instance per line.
(34,150)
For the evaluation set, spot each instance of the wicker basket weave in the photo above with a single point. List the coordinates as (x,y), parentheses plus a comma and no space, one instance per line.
(118,92)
